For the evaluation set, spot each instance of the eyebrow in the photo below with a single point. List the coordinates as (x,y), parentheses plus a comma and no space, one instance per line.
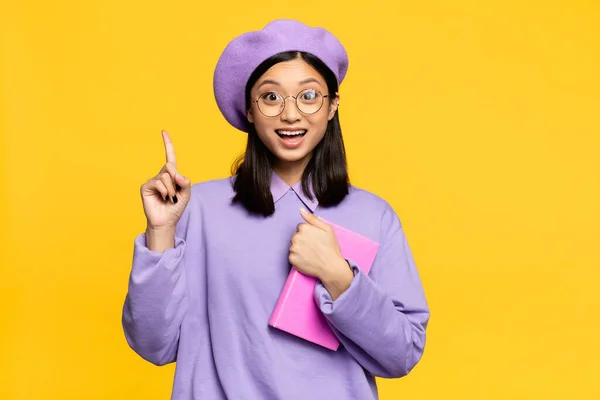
(268,82)
(309,80)
(302,82)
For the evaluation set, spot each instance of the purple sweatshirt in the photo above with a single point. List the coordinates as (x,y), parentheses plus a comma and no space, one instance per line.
(206,302)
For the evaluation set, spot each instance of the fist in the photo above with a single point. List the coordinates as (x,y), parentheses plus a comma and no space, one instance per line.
(314,249)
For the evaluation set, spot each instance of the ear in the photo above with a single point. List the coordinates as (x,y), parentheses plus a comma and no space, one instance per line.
(333,105)
(250,116)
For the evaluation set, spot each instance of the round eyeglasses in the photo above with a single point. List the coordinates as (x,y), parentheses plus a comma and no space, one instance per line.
(308,101)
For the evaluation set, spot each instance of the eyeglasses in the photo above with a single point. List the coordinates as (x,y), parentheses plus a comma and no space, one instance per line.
(308,101)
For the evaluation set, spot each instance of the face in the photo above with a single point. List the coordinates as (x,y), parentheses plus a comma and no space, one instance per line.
(292,135)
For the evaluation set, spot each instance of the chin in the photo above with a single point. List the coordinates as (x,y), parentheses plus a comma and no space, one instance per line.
(286,155)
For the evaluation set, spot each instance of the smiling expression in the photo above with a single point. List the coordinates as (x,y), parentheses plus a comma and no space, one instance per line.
(292,135)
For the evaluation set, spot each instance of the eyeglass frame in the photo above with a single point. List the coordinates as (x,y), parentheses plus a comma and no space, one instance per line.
(285,102)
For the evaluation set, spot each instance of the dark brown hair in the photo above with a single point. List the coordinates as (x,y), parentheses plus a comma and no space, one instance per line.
(327,169)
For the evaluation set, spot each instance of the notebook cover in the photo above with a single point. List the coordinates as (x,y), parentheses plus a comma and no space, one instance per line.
(296,311)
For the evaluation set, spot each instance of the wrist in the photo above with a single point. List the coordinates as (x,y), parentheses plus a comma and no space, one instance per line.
(337,280)
(160,230)
(160,239)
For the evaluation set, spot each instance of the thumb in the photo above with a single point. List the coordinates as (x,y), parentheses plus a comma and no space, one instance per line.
(313,219)
(186,186)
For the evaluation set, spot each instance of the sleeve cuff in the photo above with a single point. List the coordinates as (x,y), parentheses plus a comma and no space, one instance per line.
(356,311)
(150,257)
(348,299)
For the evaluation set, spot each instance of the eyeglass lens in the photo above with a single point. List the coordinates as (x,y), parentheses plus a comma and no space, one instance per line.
(308,101)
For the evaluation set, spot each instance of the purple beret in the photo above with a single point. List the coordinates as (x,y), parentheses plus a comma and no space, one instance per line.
(247,51)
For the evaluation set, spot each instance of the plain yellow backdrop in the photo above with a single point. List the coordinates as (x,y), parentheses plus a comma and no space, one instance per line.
(478,121)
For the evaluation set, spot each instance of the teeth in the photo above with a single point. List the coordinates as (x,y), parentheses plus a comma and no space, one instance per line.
(291,133)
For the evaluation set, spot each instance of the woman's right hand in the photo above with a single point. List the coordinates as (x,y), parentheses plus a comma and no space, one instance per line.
(166,195)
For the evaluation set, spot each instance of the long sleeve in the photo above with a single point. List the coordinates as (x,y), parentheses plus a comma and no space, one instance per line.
(156,301)
(382,317)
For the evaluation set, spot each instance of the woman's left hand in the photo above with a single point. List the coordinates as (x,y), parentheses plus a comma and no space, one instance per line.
(315,251)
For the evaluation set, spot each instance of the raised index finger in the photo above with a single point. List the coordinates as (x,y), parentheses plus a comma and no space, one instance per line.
(169,149)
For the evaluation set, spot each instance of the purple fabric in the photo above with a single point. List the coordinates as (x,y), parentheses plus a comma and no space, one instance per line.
(247,51)
(206,302)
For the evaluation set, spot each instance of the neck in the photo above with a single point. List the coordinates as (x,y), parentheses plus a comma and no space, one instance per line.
(291,171)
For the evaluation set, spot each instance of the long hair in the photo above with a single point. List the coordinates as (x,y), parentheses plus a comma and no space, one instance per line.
(327,169)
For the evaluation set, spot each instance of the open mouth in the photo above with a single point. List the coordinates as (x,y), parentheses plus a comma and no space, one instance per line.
(290,134)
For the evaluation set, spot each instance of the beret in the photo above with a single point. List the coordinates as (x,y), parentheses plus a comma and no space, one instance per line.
(246,52)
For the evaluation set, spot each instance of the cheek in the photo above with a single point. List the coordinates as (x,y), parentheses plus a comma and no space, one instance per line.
(263,127)
(265,133)
(319,125)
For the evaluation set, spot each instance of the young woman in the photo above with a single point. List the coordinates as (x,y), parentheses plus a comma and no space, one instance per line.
(215,255)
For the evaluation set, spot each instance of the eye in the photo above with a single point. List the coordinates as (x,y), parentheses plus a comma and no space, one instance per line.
(308,95)
(270,97)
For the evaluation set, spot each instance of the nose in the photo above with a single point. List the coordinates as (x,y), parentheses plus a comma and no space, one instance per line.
(290,111)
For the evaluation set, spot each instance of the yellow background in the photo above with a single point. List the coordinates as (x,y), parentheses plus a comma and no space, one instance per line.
(478,121)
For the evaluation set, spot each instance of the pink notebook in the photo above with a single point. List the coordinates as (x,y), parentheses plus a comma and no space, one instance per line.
(296,311)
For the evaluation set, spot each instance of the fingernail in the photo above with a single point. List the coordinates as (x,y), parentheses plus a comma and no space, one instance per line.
(174,199)
(177,187)
(178,176)
(303,210)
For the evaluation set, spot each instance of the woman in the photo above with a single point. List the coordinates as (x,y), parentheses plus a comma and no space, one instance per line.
(212,262)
